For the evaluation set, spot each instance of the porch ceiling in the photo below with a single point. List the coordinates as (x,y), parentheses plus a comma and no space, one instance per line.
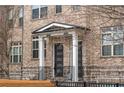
(56,26)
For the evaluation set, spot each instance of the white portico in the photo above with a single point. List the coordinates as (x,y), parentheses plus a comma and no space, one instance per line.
(59,29)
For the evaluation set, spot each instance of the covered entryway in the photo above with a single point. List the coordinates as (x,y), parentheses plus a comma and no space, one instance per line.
(64,54)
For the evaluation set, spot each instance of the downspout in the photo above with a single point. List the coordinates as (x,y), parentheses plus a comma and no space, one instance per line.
(22,41)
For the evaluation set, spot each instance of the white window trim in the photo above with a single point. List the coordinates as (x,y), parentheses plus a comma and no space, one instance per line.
(16,46)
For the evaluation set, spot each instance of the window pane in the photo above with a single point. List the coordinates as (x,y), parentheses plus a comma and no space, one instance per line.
(15,51)
(11,51)
(21,21)
(35,13)
(118,49)
(10,14)
(76,7)
(21,12)
(45,53)
(35,53)
(11,59)
(118,37)
(10,23)
(35,6)
(58,8)
(43,6)
(37,44)
(20,50)
(43,12)
(34,44)
(106,50)
(20,58)
(15,59)
(35,37)
(107,39)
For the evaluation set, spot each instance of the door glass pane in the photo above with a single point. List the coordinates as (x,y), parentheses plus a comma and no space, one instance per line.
(80,65)
(58,60)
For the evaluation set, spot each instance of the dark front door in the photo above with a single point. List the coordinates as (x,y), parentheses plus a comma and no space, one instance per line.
(58,52)
(80,66)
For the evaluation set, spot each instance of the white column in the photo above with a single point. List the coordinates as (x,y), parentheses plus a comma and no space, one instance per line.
(75,56)
(41,58)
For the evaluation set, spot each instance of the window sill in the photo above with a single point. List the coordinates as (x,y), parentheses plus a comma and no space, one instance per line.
(121,56)
(43,18)
(75,11)
(58,14)
(34,59)
(15,63)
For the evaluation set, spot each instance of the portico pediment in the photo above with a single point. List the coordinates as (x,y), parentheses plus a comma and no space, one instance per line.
(55,26)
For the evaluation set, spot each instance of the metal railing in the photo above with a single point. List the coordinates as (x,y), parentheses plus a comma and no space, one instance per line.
(87,84)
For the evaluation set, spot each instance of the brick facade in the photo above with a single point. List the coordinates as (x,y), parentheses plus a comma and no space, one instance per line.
(91,41)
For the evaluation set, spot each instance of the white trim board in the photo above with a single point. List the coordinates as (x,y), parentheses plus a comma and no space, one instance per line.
(55,24)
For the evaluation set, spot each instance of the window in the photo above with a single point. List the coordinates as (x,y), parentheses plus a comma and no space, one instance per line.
(35,11)
(16,52)
(58,8)
(10,14)
(21,16)
(10,21)
(43,11)
(35,47)
(76,7)
(39,11)
(112,41)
